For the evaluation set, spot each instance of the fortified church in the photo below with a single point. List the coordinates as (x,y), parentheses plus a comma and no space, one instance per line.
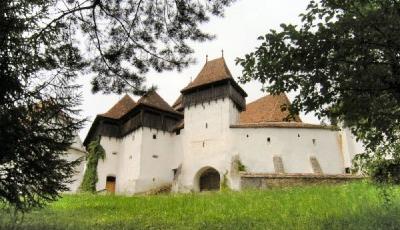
(210,138)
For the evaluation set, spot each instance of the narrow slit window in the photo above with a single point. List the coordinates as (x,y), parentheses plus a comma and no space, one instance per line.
(154,136)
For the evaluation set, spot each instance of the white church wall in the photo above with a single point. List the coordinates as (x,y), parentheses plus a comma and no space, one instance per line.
(156,160)
(129,162)
(350,146)
(294,146)
(109,166)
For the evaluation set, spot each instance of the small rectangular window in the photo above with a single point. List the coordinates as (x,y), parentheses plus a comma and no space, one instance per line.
(154,136)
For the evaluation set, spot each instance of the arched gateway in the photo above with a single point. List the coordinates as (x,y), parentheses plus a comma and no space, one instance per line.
(208,179)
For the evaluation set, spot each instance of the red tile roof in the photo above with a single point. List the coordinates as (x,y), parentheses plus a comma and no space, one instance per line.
(267,109)
(213,71)
(122,107)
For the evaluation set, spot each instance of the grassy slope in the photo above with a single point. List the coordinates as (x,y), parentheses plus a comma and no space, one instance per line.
(353,206)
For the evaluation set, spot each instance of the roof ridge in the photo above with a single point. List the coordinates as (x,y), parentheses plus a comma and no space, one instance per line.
(212,71)
(267,109)
(152,98)
(119,109)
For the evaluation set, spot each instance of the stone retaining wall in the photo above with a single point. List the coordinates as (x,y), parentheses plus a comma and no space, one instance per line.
(251,180)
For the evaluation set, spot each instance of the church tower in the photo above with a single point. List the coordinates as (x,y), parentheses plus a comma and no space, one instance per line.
(213,90)
(211,103)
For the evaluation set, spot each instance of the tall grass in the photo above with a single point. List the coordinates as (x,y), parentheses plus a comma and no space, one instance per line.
(349,206)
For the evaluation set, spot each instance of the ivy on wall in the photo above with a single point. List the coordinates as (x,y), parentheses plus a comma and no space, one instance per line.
(90,178)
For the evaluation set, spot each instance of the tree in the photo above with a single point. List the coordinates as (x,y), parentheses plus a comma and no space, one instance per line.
(46,44)
(90,178)
(343,62)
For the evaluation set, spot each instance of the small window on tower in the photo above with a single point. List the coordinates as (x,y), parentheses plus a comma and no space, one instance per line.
(154,136)
(269,140)
(206,125)
(314,141)
(347,170)
(114,153)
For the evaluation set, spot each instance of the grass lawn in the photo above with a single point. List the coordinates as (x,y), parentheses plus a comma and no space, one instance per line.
(350,206)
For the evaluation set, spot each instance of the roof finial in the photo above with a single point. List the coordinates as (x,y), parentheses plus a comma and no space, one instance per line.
(222,52)
(206,57)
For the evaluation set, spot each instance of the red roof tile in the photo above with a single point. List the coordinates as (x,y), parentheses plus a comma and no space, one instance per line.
(267,109)
(122,107)
(213,71)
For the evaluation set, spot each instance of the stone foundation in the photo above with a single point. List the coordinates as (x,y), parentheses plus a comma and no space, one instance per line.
(263,181)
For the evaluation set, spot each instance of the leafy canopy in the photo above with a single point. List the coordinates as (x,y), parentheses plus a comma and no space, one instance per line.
(46,44)
(343,60)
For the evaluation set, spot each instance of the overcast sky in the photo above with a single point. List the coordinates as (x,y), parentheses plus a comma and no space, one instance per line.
(236,34)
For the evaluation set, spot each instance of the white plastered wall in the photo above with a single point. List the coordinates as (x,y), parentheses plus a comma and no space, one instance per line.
(350,146)
(157,160)
(294,146)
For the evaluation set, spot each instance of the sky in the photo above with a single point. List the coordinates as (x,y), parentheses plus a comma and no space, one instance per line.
(236,34)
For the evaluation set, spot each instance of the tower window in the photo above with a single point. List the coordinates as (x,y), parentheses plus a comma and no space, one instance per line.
(206,125)
(154,136)
(314,141)
(347,170)
(269,140)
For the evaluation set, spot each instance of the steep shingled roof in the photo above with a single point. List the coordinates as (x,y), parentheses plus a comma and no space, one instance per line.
(213,71)
(154,100)
(267,109)
(122,107)
(178,103)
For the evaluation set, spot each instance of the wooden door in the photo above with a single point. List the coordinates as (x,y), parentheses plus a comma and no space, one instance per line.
(110,184)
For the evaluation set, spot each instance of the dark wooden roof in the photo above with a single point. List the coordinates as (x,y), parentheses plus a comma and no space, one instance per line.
(178,104)
(154,100)
(267,109)
(122,107)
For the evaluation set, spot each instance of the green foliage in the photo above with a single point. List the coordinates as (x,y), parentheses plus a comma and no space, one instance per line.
(383,165)
(350,206)
(41,46)
(90,177)
(225,182)
(342,61)
(241,166)
(38,100)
